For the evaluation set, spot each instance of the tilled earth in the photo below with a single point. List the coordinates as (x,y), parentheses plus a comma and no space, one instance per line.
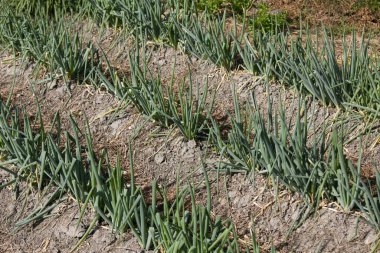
(164,155)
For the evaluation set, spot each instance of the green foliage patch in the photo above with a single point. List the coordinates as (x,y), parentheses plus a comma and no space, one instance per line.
(267,20)
(214,6)
(372,5)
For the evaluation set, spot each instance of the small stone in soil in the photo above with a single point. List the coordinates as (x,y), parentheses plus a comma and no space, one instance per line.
(161,62)
(115,125)
(232,194)
(371,237)
(183,151)
(222,201)
(98,100)
(61,91)
(159,158)
(52,85)
(103,119)
(148,151)
(13,71)
(244,201)
(72,231)
(192,144)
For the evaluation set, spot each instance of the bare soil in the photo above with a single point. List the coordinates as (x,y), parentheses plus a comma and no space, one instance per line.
(338,15)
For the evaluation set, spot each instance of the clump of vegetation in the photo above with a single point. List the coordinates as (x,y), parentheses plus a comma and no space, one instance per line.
(185,109)
(237,6)
(45,8)
(320,73)
(268,20)
(372,5)
(212,6)
(50,46)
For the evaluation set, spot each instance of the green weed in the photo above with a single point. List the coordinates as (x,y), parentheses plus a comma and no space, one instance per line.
(214,6)
(267,20)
